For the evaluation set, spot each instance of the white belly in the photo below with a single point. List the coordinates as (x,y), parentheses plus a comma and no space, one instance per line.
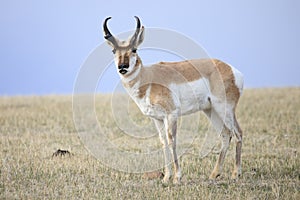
(191,96)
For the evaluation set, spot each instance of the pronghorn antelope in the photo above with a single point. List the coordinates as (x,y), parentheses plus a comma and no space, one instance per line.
(167,90)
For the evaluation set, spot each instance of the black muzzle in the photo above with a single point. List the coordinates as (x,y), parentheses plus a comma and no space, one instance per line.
(123,68)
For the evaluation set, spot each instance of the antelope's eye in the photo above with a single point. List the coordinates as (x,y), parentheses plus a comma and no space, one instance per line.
(133,50)
(114,51)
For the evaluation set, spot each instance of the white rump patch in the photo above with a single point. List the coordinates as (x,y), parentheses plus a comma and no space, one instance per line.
(239,79)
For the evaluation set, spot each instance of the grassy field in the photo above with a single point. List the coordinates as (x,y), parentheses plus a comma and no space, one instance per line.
(33,128)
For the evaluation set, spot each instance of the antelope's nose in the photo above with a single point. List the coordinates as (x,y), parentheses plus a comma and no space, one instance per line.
(123,66)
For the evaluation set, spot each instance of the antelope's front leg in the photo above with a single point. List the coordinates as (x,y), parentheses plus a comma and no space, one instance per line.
(162,136)
(171,130)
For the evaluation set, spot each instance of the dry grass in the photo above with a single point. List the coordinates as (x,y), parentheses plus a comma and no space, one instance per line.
(33,128)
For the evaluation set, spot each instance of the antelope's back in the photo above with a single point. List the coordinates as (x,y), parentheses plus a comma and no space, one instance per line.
(219,75)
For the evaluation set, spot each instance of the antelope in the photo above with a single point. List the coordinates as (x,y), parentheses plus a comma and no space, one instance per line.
(167,90)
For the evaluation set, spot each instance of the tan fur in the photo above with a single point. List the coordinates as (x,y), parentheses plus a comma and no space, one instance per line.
(142,90)
(161,95)
(232,92)
(218,73)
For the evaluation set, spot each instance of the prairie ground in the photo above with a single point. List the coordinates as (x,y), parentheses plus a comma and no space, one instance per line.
(32,128)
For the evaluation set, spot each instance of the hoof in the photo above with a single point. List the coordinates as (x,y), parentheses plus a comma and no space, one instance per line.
(177,181)
(214,175)
(235,175)
(165,180)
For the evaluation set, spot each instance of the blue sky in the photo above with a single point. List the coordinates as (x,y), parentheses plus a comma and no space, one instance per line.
(44,43)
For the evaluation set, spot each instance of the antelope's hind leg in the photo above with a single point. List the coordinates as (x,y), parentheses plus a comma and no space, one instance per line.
(221,129)
(237,170)
(228,126)
(226,138)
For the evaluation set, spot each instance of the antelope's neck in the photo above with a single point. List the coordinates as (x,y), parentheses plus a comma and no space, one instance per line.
(132,80)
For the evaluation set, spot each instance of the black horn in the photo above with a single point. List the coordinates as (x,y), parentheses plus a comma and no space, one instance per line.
(137,31)
(138,22)
(107,33)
